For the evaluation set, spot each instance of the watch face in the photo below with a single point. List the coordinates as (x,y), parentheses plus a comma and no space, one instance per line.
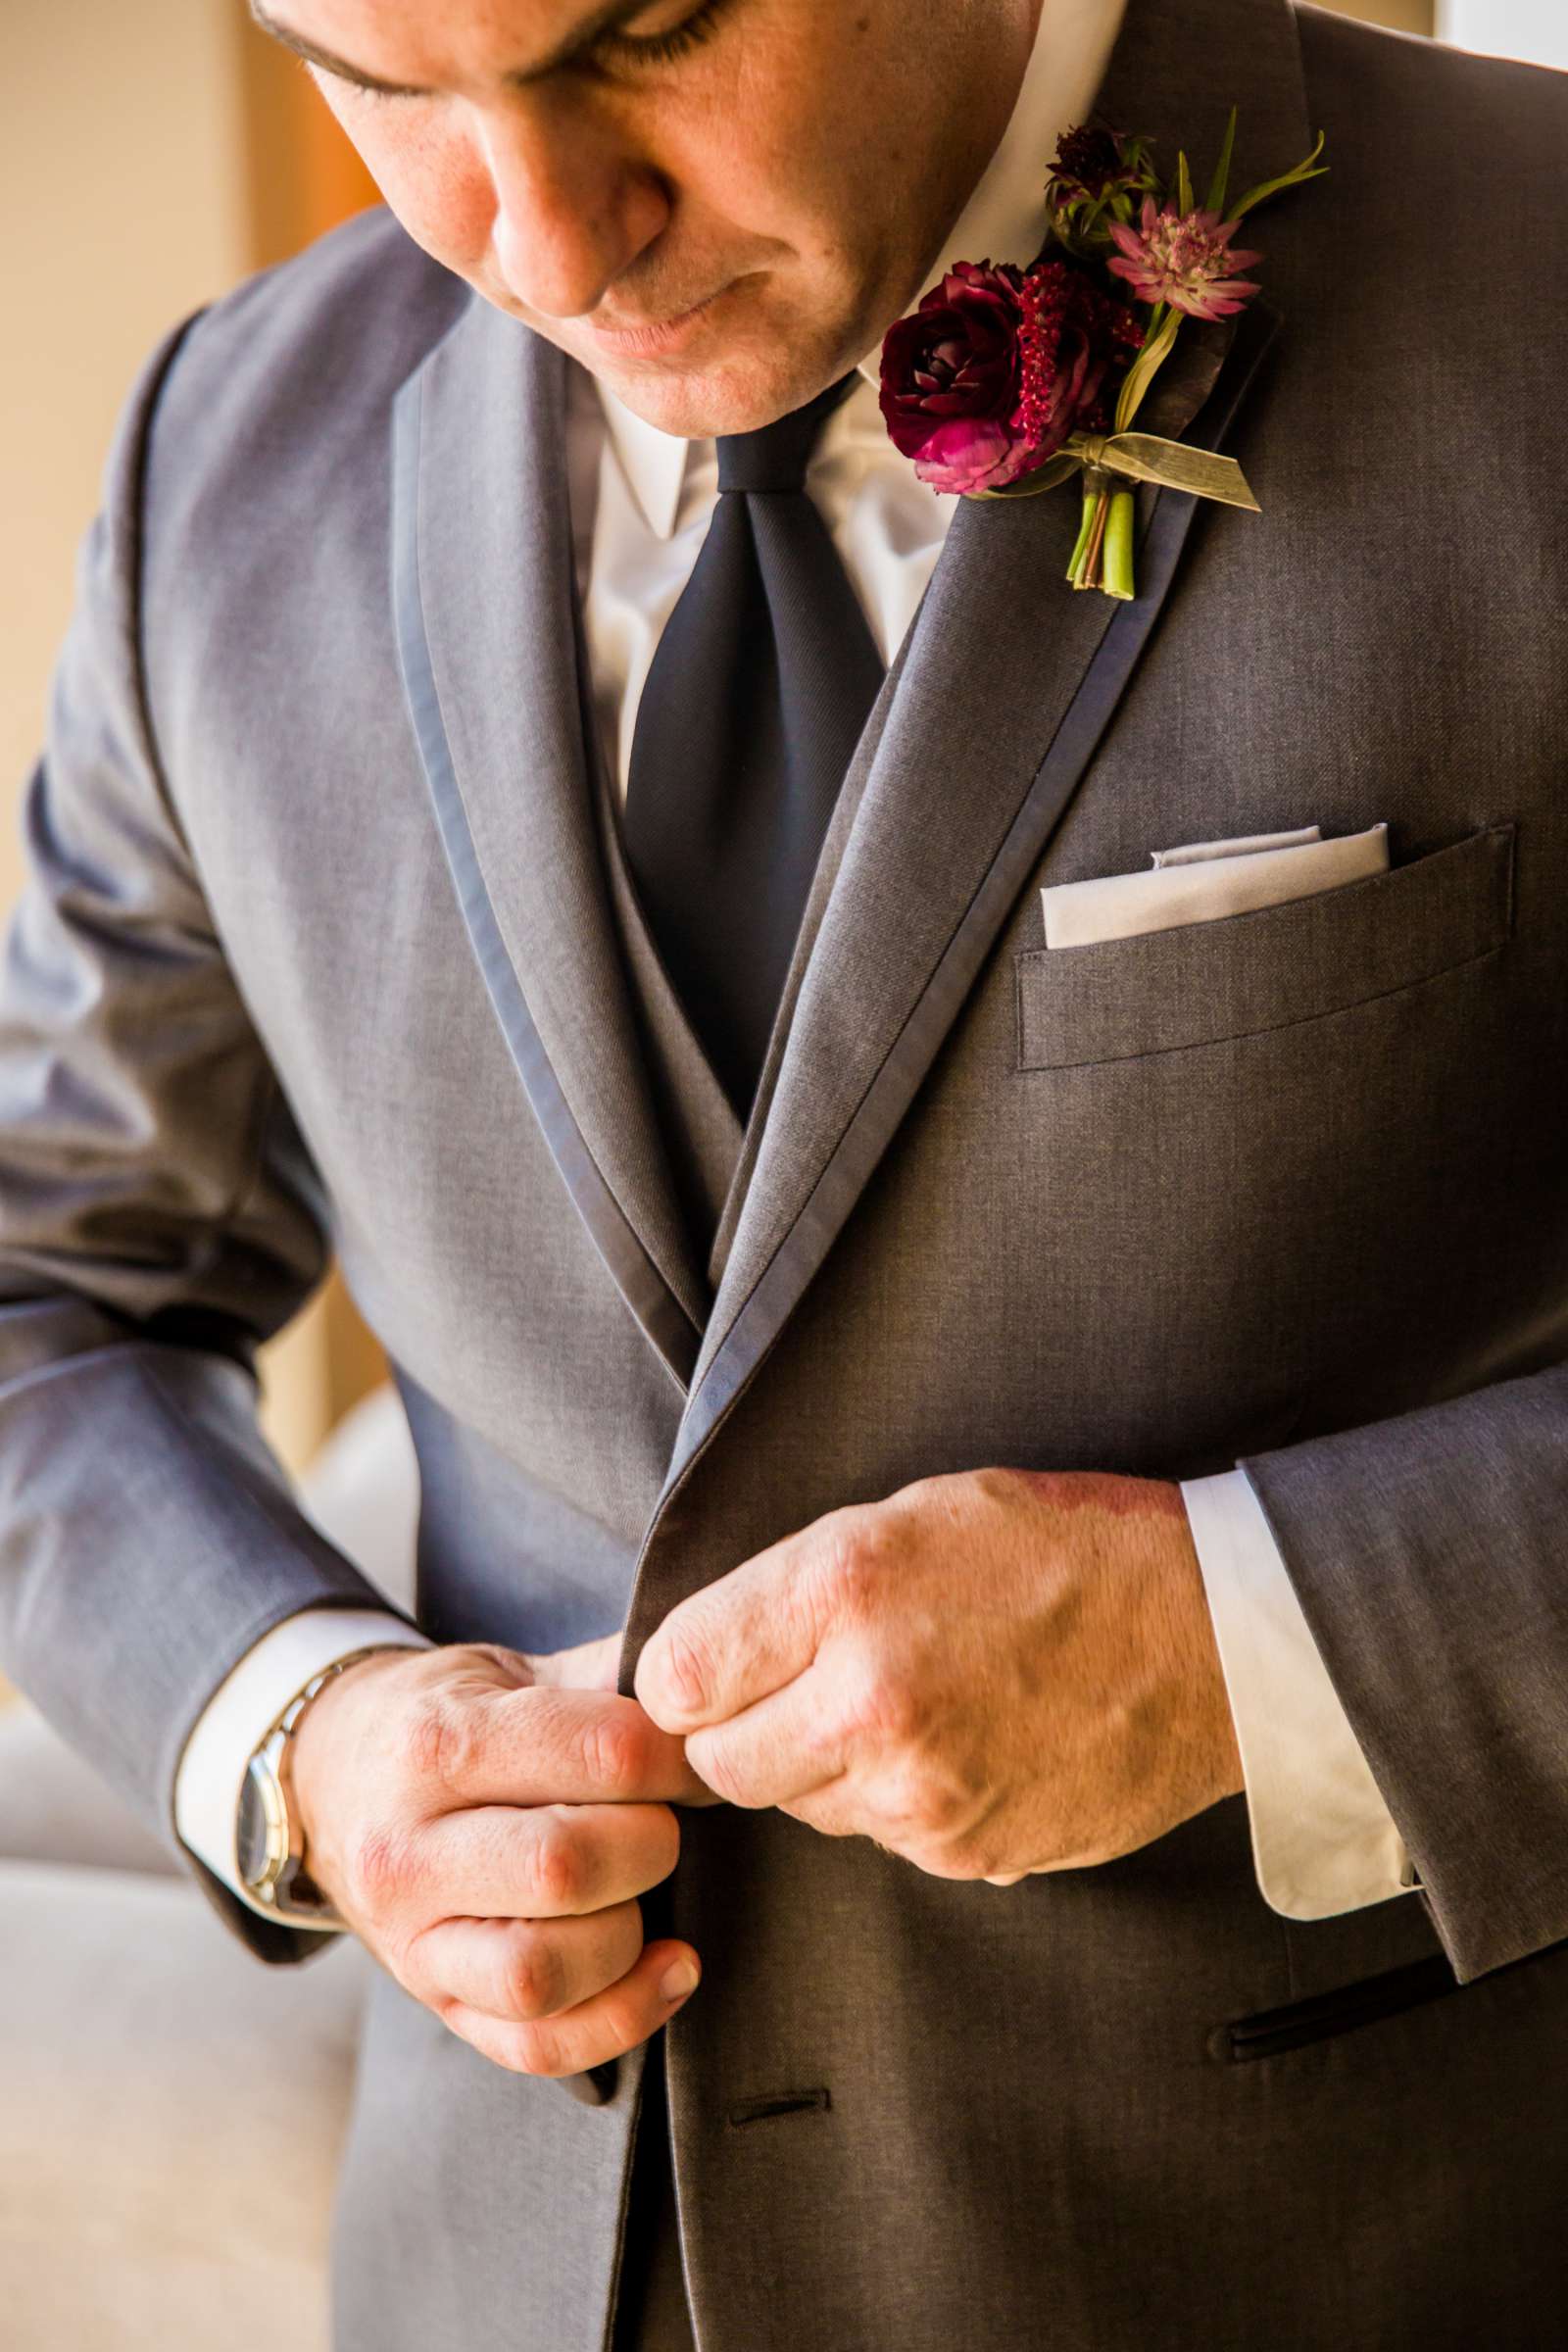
(256,1843)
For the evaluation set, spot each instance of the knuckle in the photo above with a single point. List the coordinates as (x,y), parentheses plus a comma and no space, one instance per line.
(921,1803)
(938,1861)
(624,2017)
(506,1666)
(438,1739)
(849,1558)
(687,1663)
(558,1865)
(945,1808)
(881,1710)
(533,1976)
(616,1747)
(970,1858)
(379,1873)
(508,2046)
(542,2050)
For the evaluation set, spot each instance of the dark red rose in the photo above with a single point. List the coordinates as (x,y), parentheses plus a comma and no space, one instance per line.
(996,368)
(950,381)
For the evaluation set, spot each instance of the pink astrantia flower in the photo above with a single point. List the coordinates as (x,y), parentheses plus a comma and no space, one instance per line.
(1183,259)
(994,370)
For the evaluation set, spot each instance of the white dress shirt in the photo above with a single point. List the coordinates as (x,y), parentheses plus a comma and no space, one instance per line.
(1322,1838)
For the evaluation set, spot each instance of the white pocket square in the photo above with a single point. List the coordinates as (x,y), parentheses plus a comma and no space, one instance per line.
(1203,880)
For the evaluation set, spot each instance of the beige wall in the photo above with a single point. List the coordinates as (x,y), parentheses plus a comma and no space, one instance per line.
(120,211)
(124,202)
(1405,16)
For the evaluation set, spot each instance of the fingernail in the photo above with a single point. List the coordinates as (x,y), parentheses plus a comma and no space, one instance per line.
(678,1980)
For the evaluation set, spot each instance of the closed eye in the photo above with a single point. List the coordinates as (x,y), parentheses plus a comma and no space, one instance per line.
(615,52)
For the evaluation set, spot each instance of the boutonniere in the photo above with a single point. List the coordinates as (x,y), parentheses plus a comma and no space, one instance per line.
(1005,381)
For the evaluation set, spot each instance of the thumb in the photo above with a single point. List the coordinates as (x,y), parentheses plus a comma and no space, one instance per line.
(590,1666)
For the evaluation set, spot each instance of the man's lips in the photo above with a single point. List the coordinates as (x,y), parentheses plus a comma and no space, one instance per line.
(648,339)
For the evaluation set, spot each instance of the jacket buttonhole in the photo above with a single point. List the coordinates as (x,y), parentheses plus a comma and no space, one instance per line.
(780,2102)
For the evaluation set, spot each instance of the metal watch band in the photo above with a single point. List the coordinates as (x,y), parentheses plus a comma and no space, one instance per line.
(279,1881)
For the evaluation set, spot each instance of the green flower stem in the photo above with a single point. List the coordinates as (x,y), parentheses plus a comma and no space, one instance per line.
(1116,564)
(1085,532)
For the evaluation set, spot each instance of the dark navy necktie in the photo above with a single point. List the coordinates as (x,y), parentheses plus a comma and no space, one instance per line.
(757,695)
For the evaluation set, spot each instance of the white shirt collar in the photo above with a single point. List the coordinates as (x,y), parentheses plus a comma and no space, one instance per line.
(1003,220)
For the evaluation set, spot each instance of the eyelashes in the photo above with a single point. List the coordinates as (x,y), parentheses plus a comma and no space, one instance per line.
(665,48)
(620,51)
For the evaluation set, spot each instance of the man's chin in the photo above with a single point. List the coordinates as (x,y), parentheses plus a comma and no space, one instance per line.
(716,386)
(694,404)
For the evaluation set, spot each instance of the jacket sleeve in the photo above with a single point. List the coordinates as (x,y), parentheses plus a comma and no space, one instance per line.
(1429,1556)
(158,1219)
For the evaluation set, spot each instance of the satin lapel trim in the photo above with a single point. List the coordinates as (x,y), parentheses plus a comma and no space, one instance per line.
(928,879)
(484,606)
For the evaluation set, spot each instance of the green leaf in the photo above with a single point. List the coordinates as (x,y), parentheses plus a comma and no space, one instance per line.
(1141,374)
(1184,187)
(1214,201)
(1287,179)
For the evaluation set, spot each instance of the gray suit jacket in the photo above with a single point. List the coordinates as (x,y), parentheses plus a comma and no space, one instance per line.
(318,950)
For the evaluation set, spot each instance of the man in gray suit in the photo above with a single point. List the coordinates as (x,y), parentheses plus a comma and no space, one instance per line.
(1065,1434)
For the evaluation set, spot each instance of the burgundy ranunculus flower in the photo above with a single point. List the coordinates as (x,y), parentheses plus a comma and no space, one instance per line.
(994,371)
(950,380)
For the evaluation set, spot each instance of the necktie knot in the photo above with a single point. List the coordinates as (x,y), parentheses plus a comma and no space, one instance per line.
(775,456)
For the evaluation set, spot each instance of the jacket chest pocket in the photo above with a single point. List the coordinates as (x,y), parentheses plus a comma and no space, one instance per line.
(1242,975)
(1324,2016)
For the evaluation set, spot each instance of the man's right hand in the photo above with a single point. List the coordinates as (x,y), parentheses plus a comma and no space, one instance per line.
(485,1822)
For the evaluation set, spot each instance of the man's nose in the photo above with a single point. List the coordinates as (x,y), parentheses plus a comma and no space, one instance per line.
(573,208)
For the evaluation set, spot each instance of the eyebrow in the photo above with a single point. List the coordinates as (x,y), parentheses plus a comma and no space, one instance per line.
(590,31)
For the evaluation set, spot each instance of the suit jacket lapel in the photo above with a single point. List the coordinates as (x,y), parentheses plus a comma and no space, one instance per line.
(1010,683)
(485,610)
(1005,687)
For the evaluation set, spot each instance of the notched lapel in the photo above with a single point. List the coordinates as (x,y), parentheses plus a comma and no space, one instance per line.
(995,659)
(1009,685)
(484,605)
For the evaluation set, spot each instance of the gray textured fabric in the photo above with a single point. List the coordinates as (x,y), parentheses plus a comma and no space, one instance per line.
(54,1808)
(319,924)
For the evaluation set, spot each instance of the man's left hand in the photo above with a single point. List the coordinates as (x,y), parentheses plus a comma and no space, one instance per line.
(990,1674)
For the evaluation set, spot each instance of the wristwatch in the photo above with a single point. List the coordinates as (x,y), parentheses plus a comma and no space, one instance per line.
(269,1843)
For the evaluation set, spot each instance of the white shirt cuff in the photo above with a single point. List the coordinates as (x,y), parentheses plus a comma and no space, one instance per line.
(243,1709)
(1323,1839)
